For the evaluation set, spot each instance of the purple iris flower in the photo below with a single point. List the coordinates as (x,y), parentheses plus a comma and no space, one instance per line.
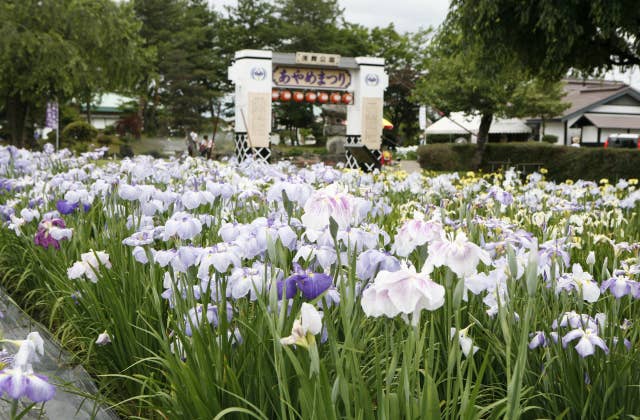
(18,382)
(313,285)
(624,341)
(589,340)
(309,283)
(76,297)
(620,286)
(538,340)
(500,195)
(372,261)
(211,313)
(65,207)
(43,236)
(555,248)
(289,284)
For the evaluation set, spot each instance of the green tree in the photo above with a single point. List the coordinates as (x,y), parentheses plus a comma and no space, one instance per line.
(310,25)
(403,54)
(250,25)
(113,50)
(62,49)
(461,76)
(182,82)
(550,37)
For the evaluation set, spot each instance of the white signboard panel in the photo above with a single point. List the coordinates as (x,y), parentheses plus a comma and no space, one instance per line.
(259,123)
(371,122)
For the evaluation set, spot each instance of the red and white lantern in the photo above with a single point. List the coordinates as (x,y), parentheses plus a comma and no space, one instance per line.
(347,98)
(323,97)
(285,96)
(310,97)
(298,96)
(335,98)
(275,95)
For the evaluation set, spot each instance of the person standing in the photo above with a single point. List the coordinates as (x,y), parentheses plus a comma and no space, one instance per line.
(210,146)
(192,144)
(575,142)
(203,146)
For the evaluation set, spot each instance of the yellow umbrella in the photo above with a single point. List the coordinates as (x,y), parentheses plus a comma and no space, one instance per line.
(387,124)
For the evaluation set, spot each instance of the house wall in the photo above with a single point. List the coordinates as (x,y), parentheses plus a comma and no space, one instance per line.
(100,121)
(590,134)
(555,128)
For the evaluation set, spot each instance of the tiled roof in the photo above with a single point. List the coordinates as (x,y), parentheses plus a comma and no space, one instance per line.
(582,94)
(619,121)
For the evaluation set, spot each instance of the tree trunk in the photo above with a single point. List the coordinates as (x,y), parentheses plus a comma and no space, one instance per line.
(483,138)
(88,101)
(16,114)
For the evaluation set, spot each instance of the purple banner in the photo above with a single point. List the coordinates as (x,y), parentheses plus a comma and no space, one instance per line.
(52,115)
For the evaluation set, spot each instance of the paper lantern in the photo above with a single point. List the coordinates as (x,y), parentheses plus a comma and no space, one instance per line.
(310,97)
(285,95)
(323,97)
(335,98)
(347,98)
(298,96)
(275,95)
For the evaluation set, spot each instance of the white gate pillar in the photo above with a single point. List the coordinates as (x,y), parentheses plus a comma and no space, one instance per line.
(364,117)
(251,73)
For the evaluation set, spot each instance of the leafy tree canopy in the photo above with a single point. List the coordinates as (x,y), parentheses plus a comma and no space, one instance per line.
(63,49)
(183,79)
(464,76)
(550,37)
(404,55)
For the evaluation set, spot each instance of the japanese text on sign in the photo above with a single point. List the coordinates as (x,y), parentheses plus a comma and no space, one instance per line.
(316,78)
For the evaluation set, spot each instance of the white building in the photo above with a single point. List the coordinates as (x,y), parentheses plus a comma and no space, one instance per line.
(598,108)
(459,124)
(107,110)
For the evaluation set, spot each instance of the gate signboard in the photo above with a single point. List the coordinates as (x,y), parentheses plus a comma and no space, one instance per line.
(262,77)
(318,78)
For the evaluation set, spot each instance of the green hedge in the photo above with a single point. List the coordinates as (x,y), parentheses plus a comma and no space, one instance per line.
(444,138)
(446,157)
(561,162)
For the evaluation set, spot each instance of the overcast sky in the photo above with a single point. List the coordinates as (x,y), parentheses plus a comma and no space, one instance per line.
(406,15)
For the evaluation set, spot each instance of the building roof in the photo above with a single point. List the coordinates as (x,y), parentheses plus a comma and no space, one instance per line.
(108,103)
(622,121)
(586,94)
(460,123)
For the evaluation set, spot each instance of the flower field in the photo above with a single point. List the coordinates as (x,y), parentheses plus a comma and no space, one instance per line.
(197,289)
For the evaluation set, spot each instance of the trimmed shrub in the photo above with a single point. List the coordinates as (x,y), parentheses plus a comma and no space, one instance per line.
(445,157)
(78,131)
(562,162)
(125,150)
(110,130)
(550,138)
(106,139)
